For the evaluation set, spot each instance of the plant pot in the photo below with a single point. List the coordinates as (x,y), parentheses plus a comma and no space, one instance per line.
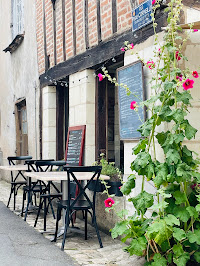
(114,188)
(99,187)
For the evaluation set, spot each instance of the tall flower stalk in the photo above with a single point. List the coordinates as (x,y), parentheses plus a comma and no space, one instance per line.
(166,226)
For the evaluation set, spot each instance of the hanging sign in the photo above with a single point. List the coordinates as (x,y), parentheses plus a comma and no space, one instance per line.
(141,15)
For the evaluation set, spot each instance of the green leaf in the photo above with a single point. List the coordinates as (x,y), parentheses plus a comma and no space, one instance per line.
(194,237)
(198,207)
(137,246)
(180,197)
(119,229)
(161,174)
(178,250)
(192,211)
(184,97)
(141,146)
(190,131)
(179,234)
(182,260)
(159,260)
(141,161)
(178,138)
(160,206)
(142,201)
(129,185)
(197,256)
(172,156)
(122,213)
(182,213)
(161,137)
(171,220)
(177,115)
(184,171)
(168,85)
(159,231)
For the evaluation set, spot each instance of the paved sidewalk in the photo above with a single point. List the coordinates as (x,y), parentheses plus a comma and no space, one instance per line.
(81,252)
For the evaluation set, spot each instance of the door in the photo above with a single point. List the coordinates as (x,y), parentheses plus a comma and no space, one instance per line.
(21,128)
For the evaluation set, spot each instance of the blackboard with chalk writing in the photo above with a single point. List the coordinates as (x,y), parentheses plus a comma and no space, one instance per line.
(132,76)
(75,145)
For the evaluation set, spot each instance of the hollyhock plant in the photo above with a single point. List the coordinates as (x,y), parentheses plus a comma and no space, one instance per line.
(180,77)
(109,202)
(100,76)
(195,74)
(188,84)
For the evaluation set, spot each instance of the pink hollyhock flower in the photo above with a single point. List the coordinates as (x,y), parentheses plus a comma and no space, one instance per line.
(188,84)
(109,202)
(133,105)
(100,76)
(120,187)
(150,64)
(180,77)
(193,186)
(122,49)
(195,74)
(131,46)
(195,30)
(177,56)
(153,2)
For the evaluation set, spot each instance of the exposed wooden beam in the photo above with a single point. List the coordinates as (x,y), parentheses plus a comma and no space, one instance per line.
(45,38)
(63,30)
(114,16)
(101,53)
(99,21)
(74,25)
(54,35)
(86,24)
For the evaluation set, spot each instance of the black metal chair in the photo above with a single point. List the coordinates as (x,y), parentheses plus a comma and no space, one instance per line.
(16,184)
(32,188)
(81,202)
(47,195)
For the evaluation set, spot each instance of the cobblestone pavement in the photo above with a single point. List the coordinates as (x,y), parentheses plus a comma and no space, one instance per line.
(83,252)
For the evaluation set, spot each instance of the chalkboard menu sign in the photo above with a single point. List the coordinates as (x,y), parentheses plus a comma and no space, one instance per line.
(132,76)
(75,145)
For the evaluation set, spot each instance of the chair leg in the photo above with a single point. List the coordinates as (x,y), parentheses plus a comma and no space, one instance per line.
(86,225)
(45,214)
(97,231)
(65,230)
(23,200)
(11,191)
(50,203)
(14,194)
(38,213)
(57,221)
(28,202)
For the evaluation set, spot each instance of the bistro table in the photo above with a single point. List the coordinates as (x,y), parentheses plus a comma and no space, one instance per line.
(61,176)
(19,168)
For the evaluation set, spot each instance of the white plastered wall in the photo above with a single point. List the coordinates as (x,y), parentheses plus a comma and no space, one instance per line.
(82,109)
(49,122)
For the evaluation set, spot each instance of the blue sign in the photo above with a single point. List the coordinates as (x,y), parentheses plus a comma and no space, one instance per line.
(141,16)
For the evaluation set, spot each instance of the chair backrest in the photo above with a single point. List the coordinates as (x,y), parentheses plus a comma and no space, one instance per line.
(13,159)
(32,164)
(95,171)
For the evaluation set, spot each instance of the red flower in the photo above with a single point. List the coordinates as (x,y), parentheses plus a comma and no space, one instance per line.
(109,202)
(100,76)
(131,46)
(195,74)
(153,2)
(150,64)
(180,77)
(177,56)
(122,49)
(195,30)
(188,84)
(133,105)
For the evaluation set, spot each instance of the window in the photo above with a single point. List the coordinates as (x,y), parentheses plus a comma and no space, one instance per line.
(17,17)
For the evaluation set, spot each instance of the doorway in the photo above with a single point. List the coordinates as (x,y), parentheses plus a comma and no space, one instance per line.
(107,139)
(21,128)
